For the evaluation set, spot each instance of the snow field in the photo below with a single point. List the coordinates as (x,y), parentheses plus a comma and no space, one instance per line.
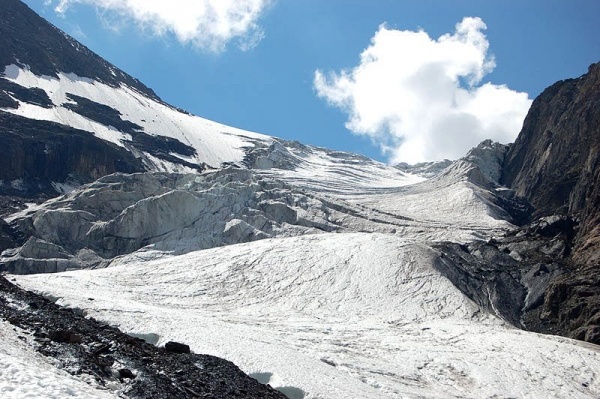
(353,315)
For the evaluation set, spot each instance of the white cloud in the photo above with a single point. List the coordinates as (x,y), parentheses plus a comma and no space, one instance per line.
(422,99)
(207,24)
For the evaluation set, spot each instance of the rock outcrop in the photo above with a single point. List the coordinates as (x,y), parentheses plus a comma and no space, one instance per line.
(509,275)
(555,165)
(40,157)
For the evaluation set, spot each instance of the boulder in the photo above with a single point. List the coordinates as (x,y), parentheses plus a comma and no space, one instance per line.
(176,347)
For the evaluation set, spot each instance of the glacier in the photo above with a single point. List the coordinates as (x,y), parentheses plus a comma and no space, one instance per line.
(318,274)
(316,271)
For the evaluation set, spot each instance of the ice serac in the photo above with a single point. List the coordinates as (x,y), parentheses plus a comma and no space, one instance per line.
(425,169)
(555,165)
(178,213)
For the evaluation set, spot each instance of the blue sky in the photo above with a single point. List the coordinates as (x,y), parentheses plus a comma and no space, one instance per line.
(270,87)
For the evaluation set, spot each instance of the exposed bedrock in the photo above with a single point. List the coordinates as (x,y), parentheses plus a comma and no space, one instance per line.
(41,156)
(511,275)
(555,165)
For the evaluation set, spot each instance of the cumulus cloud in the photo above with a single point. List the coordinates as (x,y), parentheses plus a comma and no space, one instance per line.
(422,99)
(207,24)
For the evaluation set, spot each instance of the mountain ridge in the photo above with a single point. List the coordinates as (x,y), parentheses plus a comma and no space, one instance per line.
(45,46)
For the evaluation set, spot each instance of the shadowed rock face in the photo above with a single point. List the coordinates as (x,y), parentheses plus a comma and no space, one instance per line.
(32,95)
(555,165)
(39,153)
(554,161)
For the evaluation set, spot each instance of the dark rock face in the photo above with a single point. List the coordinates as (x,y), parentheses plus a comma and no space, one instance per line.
(100,113)
(38,153)
(33,95)
(6,239)
(85,346)
(510,275)
(573,303)
(554,161)
(27,39)
(555,165)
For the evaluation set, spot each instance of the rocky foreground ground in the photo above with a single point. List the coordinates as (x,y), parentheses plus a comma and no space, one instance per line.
(135,368)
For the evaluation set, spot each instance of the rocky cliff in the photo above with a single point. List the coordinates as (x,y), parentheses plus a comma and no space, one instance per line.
(554,165)
(38,156)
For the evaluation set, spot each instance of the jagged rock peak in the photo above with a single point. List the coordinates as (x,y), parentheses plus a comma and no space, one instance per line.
(488,156)
(482,165)
(26,39)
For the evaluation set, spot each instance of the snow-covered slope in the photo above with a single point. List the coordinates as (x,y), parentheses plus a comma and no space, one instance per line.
(330,316)
(214,143)
(178,213)
(169,140)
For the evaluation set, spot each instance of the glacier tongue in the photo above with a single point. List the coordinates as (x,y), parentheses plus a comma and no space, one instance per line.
(356,315)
